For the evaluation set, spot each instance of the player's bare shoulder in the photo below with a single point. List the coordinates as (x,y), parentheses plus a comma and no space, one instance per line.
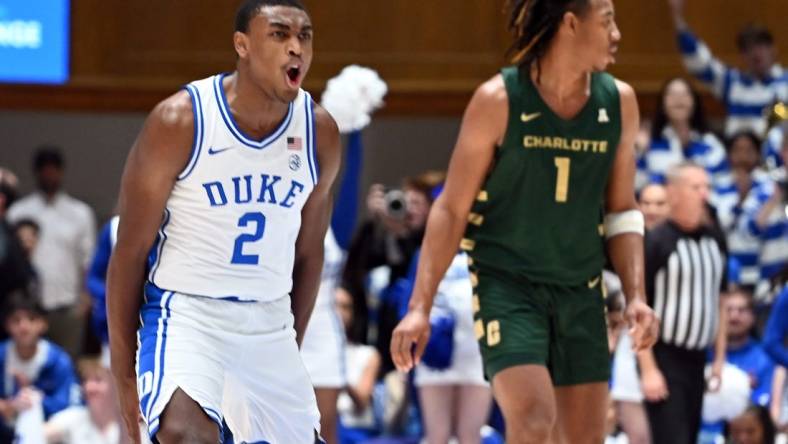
(625,90)
(492,93)
(174,114)
(168,134)
(329,149)
(327,128)
(629,101)
(487,114)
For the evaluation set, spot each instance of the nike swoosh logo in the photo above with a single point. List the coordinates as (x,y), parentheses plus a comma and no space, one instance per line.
(592,283)
(529,117)
(213,150)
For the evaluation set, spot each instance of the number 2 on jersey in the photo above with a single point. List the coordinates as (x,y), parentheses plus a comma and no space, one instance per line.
(562,179)
(258,219)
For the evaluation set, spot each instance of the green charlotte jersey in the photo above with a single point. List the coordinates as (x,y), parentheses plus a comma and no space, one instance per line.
(539,212)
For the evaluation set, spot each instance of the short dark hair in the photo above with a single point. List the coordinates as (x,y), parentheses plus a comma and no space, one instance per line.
(761,413)
(744,293)
(27,222)
(47,155)
(753,35)
(22,300)
(250,8)
(747,134)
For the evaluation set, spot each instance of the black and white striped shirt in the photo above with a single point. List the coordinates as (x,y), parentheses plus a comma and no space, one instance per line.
(685,273)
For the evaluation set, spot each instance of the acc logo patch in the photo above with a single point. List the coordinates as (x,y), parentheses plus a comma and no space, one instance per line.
(295,162)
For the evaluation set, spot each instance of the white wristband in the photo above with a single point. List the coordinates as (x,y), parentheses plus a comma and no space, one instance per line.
(630,221)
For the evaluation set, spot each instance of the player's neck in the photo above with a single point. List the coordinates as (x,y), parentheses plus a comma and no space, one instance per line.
(557,77)
(252,106)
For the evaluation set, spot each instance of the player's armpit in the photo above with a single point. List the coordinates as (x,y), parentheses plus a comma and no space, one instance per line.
(315,218)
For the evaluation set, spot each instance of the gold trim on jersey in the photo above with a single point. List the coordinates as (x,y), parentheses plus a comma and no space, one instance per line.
(475,219)
(482,197)
(467,244)
(478,328)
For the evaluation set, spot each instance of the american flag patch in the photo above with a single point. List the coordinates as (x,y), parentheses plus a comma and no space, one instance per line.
(294,143)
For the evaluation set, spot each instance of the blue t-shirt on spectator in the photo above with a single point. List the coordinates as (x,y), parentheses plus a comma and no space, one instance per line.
(50,371)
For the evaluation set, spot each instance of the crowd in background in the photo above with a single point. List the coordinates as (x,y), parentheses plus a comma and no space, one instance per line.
(716,209)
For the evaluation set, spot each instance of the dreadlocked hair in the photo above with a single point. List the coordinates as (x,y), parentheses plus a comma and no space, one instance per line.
(534,23)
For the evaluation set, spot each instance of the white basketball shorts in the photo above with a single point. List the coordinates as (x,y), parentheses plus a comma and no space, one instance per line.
(238,360)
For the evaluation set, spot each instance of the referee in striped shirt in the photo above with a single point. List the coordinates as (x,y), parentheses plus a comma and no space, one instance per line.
(685,272)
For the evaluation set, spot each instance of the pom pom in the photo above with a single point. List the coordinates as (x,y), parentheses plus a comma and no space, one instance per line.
(732,398)
(352,96)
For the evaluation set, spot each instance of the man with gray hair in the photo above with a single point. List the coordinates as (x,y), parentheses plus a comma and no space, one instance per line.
(685,272)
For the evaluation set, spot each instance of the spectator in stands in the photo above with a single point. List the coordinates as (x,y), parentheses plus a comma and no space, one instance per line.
(745,93)
(625,391)
(356,416)
(769,222)
(97,284)
(455,398)
(744,350)
(776,333)
(32,364)
(96,422)
(653,202)
(734,201)
(16,272)
(28,233)
(680,133)
(65,248)
(774,137)
(685,272)
(390,237)
(779,404)
(754,426)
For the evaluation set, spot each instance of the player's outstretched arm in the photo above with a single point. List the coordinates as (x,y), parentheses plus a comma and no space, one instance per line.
(483,127)
(315,218)
(159,154)
(624,225)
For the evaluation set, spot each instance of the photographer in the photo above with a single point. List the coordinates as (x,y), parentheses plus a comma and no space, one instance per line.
(389,237)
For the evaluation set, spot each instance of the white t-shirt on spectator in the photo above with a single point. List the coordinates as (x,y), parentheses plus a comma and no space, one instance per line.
(74,426)
(65,247)
(357,358)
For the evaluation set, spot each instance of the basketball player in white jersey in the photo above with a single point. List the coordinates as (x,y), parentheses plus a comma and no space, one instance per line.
(229,181)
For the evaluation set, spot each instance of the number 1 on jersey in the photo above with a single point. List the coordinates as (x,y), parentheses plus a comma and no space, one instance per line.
(562,179)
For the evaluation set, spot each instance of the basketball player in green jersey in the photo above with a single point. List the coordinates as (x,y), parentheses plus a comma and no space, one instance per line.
(541,177)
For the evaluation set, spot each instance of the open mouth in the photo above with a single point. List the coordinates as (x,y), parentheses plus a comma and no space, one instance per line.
(294,75)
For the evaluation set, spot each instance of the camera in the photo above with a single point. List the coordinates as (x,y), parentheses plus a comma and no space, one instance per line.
(396,205)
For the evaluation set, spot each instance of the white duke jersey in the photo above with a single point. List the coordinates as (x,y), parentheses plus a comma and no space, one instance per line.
(231,222)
